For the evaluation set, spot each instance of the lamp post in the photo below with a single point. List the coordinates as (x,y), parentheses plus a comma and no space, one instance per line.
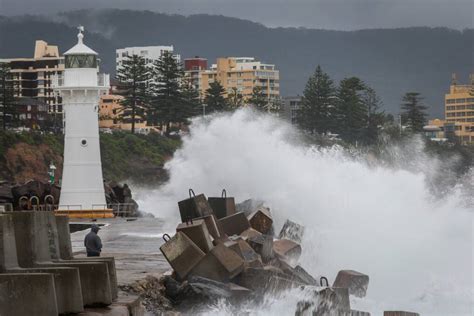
(51,172)
(204,109)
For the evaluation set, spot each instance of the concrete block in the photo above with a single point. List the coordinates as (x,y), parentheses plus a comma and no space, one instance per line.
(181,253)
(27,294)
(261,220)
(294,273)
(333,300)
(222,206)
(243,249)
(64,237)
(356,282)
(287,250)
(194,207)
(36,245)
(65,251)
(234,224)
(94,277)
(399,313)
(211,224)
(220,264)
(67,280)
(277,284)
(249,233)
(197,231)
(263,245)
(292,231)
(256,279)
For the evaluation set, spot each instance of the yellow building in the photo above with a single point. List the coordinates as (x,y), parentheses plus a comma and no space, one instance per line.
(110,111)
(459,110)
(242,74)
(32,76)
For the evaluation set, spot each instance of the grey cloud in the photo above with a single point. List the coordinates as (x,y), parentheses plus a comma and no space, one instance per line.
(326,14)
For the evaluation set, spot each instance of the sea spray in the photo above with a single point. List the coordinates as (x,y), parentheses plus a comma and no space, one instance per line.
(380,219)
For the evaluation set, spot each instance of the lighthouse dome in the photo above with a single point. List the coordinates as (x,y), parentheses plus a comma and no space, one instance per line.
(80,56)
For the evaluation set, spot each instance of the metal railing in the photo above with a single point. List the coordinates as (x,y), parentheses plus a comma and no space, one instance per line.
(103,80)
(122,209)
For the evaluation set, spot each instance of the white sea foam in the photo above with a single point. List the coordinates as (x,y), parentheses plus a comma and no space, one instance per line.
(375,218)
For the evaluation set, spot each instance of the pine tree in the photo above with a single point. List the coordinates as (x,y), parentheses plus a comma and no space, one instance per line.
(133,76)
(190,102)
(214,100)
(168,78)
(7,97)
(315,115)
(375,118)
(235,99)
(258,99)
(350,111)
(414,112)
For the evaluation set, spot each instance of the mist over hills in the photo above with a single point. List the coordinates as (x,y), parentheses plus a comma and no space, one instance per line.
(392,61)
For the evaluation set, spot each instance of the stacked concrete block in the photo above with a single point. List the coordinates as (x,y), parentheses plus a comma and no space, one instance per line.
(222,206)
(66,280)
(193,207)
(59,234)
(197,231)
(30,248)
(182,254)
(356,282)
(37,249)
(399,313)
(261,220)
(234,224)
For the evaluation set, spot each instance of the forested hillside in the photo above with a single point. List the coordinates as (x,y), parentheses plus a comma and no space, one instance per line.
(392,61)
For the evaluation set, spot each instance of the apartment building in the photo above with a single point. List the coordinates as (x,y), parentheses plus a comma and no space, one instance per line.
(193,70)
(32,77)
(243,74)
(150,53)
(459,110)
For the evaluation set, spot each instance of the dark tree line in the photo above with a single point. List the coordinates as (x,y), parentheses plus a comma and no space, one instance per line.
(352,109)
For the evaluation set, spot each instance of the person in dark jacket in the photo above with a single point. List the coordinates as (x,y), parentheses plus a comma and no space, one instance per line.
(92,242)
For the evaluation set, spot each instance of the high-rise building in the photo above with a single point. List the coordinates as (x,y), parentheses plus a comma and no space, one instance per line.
(459,110)
(243,74)
(150,53)
(32,76)
(193,70)
(291,105)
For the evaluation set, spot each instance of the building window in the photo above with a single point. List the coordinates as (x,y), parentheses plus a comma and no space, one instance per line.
(460,100)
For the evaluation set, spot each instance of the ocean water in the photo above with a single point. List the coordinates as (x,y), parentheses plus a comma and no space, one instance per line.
(382,218)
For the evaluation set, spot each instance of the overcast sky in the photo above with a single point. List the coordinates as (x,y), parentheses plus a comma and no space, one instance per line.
(327,14)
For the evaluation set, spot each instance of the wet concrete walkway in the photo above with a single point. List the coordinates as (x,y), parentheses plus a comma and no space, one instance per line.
(134,244)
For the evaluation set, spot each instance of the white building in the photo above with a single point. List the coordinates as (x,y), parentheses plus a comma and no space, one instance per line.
(150,53)
(82,187)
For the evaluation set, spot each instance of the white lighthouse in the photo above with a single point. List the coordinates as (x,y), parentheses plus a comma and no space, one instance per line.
(82,188)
